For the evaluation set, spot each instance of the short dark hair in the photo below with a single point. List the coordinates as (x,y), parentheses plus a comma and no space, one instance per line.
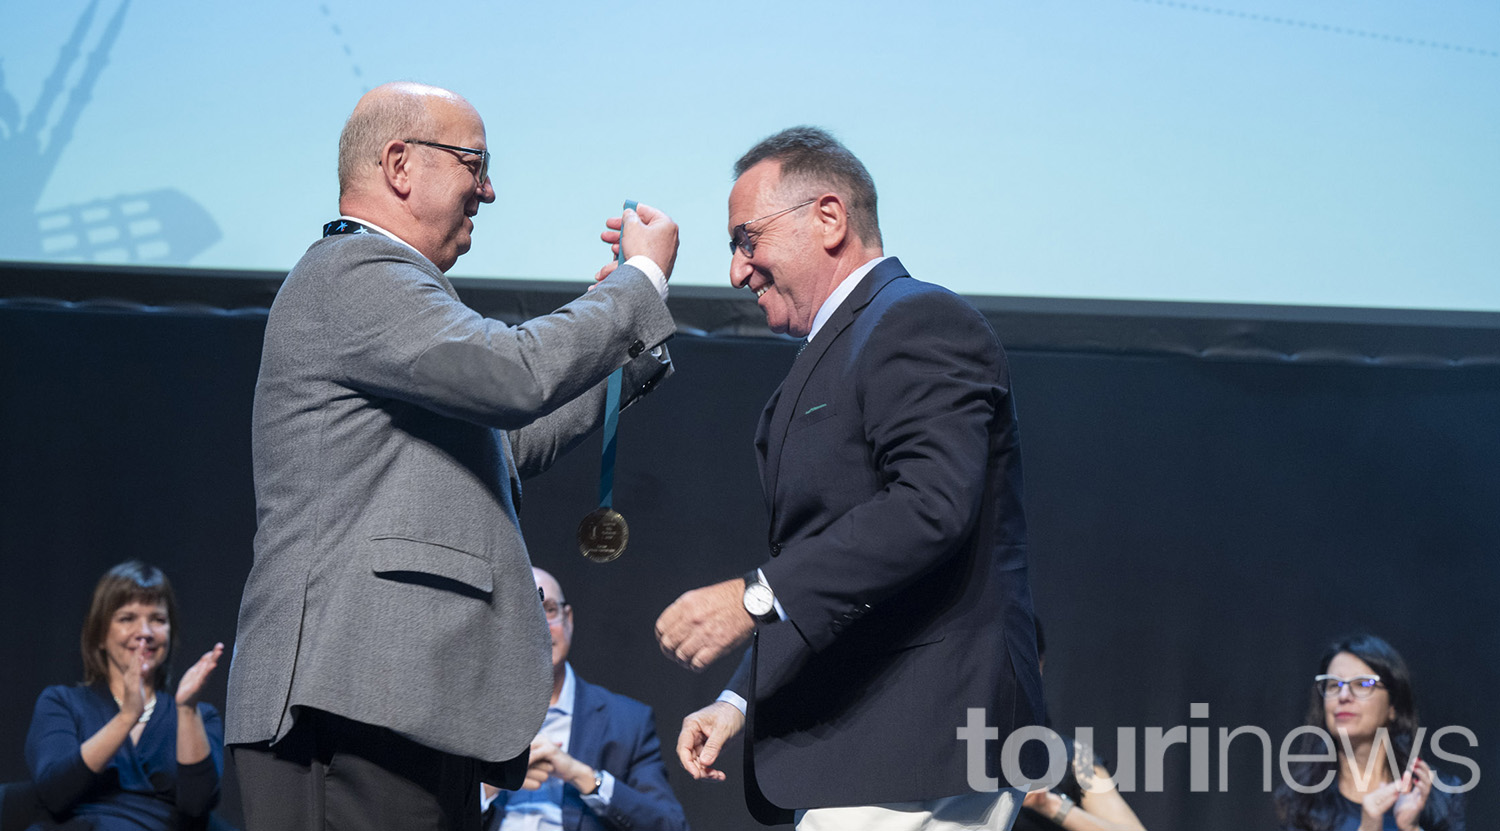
(129,582)
(812,155)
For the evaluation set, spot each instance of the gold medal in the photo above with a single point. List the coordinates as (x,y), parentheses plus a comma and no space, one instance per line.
(602,535)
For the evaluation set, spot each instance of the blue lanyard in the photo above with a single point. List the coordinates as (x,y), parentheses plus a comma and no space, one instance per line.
(612,406)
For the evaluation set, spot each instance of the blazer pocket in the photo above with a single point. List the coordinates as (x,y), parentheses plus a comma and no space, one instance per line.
(392,556)
(884,641)
(809,415)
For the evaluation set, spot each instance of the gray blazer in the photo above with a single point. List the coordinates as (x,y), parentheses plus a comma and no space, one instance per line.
(391,428)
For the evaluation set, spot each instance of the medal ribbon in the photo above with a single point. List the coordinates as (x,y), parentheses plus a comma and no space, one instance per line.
(611,422)
(612,406)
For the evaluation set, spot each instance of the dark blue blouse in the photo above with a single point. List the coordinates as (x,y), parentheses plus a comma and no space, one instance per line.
(1447,806)
(142,788)
(1349,813)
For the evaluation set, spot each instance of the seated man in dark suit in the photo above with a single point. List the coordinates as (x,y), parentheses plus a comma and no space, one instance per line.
(596,764)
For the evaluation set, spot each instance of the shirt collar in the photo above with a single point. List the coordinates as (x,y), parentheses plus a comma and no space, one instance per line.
(373,227)
(841,293)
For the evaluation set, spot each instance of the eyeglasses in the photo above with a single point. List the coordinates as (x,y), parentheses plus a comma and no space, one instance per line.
(554,609)
(484,157)
(1360,686)
(742,240)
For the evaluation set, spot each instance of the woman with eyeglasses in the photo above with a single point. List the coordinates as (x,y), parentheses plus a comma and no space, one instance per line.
(121,750)
(1362,702)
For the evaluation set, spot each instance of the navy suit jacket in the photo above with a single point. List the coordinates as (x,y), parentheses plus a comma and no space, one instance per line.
(615,733)
(891,468)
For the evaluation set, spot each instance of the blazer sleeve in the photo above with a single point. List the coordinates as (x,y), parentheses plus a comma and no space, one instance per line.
(54,752)
(642,799)
(929,382)
(537,445)
(395,331)
(198,783)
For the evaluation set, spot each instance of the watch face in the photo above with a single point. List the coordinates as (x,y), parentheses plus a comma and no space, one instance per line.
(759,599)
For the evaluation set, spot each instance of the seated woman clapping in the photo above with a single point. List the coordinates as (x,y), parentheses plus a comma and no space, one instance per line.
(120,751)
(1362,701)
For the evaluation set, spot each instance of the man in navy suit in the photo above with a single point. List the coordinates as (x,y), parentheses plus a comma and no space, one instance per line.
(596,764)
(895,599)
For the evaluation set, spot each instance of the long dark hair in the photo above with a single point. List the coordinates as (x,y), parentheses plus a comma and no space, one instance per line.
(1318,811)
(129,582)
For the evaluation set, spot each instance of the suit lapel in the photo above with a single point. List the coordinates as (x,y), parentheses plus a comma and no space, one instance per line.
(588,704)
(589,727)
(762,440)
(777,416)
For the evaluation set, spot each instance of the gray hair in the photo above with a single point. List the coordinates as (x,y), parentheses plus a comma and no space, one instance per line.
(812,156)
(401,112)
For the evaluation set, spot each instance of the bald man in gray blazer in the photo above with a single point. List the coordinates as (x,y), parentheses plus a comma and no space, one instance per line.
(391,644)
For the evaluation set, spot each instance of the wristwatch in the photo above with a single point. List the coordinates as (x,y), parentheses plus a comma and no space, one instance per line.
(598,781)
(1064,806)
(759,600)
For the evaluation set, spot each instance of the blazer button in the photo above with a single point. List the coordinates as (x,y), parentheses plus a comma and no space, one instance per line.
(636,349)
(837,627)
(775,549)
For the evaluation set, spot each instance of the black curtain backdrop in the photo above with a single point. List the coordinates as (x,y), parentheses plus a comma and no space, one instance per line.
(1214,493)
